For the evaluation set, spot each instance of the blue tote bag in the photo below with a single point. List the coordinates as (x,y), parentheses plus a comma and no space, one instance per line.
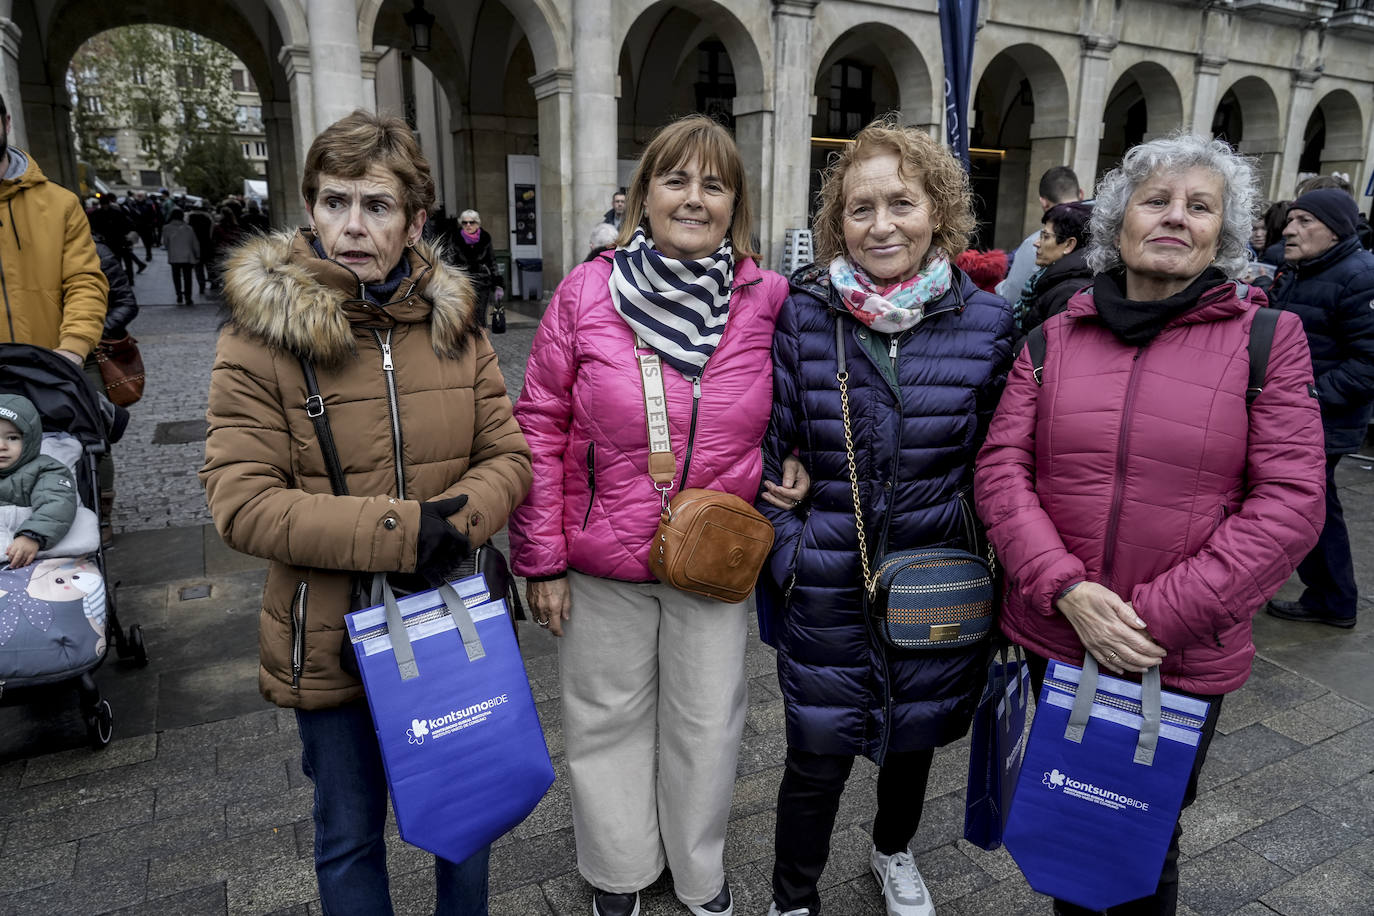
(1102,784)
(464,753)
(996,749)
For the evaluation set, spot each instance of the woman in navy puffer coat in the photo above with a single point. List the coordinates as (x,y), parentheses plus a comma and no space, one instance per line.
(926,353)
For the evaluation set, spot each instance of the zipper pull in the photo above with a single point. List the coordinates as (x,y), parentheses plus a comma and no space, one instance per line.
(386,353)
(696,388)
(892,350)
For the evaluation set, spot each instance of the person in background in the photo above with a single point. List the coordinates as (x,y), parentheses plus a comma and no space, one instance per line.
(475,253)
(1327,280)
(616,215)
(1143,511)
(926,354)
(602,237)
(202,225)
(122,309)
(355,290)
(985,268)
(653,679)
(1275,218)
(1061,253)
(183,254)
(1058,185)
(54,292)
(225,235)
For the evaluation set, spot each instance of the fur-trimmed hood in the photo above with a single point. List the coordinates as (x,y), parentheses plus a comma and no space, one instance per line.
(279,291)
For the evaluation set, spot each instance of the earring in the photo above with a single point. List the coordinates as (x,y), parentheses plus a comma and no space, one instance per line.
(410,243)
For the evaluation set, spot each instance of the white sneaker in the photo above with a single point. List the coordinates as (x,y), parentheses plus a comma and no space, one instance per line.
(773,911)
(904,891)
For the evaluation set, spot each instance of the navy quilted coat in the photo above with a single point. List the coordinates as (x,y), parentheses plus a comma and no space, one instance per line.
(1333,294)
(918,419)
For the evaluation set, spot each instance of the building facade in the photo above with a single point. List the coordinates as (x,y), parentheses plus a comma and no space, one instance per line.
(535,110)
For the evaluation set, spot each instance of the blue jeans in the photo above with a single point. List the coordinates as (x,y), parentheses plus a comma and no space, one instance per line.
(341,757)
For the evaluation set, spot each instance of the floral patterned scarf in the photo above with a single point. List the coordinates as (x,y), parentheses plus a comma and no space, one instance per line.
(895,308)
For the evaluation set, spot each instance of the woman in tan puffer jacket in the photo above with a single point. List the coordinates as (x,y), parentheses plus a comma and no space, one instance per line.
(434,462)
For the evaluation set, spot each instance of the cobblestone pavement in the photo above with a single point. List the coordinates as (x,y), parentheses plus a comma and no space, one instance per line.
(199,805)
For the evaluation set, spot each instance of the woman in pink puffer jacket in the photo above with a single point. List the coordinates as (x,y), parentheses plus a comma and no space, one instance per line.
(644,667)
(1142,511)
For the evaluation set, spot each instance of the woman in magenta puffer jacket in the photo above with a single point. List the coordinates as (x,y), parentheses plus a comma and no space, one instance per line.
(643,666)
(1142,511)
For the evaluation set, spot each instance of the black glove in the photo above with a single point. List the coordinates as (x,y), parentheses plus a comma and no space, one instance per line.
(441,546)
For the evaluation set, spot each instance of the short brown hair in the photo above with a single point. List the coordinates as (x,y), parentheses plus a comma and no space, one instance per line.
(944,180)
(693,137)
(352,145)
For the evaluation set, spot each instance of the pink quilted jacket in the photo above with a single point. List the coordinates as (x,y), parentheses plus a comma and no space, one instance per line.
(1140,468)
(593,507)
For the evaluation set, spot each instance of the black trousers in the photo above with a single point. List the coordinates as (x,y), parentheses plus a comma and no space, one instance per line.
(808,801)
(1164,901)
(181,280)
(1329,570)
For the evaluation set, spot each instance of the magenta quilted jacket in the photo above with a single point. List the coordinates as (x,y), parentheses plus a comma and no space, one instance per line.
(593,507)
(1141,468)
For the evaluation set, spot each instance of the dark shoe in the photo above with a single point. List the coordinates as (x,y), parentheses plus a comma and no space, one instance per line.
(1296,610)
(604,903)
(721,905)
(142,268)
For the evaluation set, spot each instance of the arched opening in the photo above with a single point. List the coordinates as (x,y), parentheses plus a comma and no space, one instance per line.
(1333,139)
(1145,103)
(1247,117)
(1019,129)
(870,71)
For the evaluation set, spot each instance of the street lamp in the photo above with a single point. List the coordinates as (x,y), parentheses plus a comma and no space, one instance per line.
(421,22)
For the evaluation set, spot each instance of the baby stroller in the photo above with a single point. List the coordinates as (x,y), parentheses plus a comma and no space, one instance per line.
(57,617)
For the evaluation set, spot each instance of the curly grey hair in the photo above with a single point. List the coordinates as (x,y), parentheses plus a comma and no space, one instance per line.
(1175,153)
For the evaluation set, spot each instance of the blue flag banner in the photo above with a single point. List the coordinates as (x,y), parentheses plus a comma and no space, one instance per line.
(958,24)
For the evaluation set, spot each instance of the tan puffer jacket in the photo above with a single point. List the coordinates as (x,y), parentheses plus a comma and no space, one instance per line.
(264,472)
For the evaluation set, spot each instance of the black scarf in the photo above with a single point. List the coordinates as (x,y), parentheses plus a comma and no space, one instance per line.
(376,293)
(1138,321)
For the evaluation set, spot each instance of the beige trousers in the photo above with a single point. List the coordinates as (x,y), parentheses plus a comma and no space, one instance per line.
(640,661)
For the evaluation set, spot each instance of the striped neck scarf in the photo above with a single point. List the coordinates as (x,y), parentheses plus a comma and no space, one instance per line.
(677,307)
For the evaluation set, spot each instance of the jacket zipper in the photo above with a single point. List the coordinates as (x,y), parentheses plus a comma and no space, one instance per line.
(591,481)
(9,315)
(298,635)
(796,552)
(390,370)
(1114,514)
(882,548)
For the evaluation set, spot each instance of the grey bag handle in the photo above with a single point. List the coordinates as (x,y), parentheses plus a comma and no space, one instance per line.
(1149,707)
(383,594)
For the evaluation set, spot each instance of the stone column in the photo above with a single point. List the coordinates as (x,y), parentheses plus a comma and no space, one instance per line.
(1299,110)
(1052,144)
(283,173)
(368,64)
(755,133)
(10,36)
(793,94)
(553,91)
(1093,65)
(335,59)
(595,114)
(295,64)
(1205,94)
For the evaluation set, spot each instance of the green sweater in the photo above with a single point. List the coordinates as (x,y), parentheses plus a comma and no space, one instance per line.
(36,480)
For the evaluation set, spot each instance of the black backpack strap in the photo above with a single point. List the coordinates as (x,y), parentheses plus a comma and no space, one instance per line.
(314,409)
(1261,340)
(1035,345)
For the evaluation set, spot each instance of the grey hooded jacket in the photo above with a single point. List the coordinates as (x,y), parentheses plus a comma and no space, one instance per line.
(36,480)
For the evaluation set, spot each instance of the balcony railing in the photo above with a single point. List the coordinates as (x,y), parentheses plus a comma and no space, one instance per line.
(1354,18)
(1287,12)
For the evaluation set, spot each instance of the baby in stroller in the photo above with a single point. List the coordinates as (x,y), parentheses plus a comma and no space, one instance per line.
(37,493)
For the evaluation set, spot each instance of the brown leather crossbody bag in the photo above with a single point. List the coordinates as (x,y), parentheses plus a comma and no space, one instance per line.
(708,543)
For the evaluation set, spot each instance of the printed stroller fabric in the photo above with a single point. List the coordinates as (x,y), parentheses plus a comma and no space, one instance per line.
(461,742)
(52,620)
(1101,785)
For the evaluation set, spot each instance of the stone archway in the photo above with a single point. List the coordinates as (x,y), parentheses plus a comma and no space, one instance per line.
(1333,140)
(1247,117)
(1144,103)
(1020,117)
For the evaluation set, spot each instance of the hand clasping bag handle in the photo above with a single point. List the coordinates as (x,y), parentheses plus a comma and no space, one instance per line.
(929,598)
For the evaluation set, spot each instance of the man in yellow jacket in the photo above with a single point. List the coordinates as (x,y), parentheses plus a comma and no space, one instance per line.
(52,292)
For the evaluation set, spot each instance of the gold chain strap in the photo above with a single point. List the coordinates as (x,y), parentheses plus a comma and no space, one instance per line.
(870,582)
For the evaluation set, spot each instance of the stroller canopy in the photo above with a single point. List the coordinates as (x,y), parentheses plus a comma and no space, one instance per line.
(58,388)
